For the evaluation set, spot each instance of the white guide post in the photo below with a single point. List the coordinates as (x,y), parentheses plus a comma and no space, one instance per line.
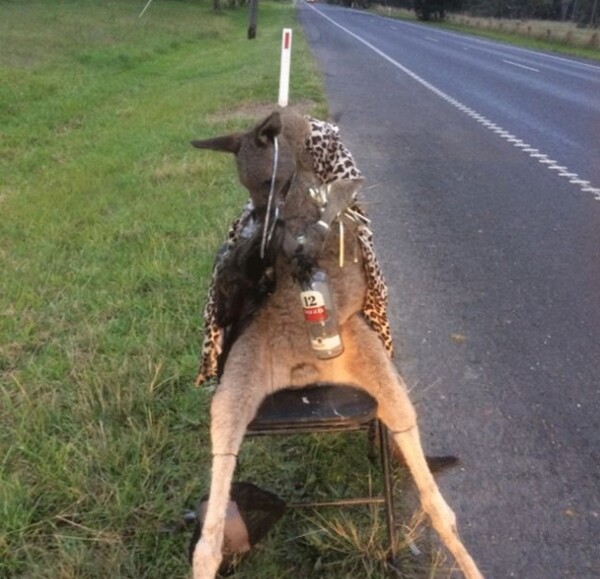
(284,73)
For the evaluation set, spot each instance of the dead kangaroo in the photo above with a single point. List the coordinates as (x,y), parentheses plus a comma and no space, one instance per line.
(295,223)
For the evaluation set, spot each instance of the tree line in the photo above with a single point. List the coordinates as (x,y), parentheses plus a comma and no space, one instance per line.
(582,12)
(585,13)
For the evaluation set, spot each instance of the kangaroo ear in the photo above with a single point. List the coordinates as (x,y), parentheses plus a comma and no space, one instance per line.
(226,144)
(266,132)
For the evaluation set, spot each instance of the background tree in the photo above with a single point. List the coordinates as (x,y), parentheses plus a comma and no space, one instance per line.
(428,9)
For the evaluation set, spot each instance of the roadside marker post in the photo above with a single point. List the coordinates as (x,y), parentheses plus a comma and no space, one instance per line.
(284,73)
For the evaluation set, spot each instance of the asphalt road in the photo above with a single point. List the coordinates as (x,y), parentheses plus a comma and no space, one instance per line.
(483,181)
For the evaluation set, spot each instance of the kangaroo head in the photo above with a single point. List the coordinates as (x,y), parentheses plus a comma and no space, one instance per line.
(255,153)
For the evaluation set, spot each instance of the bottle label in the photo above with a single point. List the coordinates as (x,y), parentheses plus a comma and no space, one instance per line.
(314,306)
(326,344)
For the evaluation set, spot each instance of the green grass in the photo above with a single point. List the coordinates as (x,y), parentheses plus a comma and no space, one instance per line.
(110,221)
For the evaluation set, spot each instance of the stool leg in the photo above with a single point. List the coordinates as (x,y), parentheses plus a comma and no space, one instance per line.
(388,490)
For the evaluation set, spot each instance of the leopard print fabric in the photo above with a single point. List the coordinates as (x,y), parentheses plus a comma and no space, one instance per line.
(213,333)
(375,306)
(331,161)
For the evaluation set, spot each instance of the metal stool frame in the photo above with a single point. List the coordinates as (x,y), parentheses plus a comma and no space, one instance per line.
(364,419)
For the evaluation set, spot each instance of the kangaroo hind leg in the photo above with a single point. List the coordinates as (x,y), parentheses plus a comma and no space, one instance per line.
(397,413)
(233,407)
(372,369)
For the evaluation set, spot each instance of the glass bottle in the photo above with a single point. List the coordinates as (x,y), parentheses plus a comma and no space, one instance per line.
(320,316)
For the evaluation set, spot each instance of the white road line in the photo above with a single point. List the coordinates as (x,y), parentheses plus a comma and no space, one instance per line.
(432,39)
(573,178)
(520,65)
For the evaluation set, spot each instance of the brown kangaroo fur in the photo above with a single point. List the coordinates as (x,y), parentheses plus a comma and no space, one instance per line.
(270,349)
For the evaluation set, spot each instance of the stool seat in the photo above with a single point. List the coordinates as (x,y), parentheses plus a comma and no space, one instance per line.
(318,407)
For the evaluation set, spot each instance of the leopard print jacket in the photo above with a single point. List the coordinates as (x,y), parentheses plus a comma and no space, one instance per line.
(331,161)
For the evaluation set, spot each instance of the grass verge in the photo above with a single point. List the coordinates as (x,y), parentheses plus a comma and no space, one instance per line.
(109,226)
(557,37)
(547,36)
